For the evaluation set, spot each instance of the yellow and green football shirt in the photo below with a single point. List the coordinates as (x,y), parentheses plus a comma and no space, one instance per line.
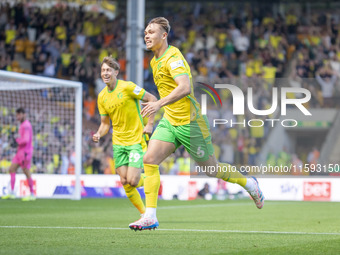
(165,69)
(122,106)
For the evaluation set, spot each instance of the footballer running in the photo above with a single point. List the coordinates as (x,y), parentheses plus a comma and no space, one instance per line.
(182,123)
(119,102)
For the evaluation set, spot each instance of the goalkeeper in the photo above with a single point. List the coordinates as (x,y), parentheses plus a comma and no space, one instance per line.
(23,156)
(119,101)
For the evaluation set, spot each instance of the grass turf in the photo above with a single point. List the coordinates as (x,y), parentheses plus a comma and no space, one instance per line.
(63,233)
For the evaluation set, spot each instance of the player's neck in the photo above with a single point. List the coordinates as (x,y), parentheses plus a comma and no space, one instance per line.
(112,85)
(158,53)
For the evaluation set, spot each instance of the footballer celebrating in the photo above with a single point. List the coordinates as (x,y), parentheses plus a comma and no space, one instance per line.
(119,101)
(182,123)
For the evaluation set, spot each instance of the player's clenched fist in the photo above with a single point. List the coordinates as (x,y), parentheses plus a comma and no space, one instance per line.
(96,137)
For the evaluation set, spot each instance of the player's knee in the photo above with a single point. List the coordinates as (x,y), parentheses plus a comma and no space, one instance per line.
(148,159)
(123,181)
(133,182)
(13,168)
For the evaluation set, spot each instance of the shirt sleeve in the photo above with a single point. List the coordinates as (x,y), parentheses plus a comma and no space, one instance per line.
(177,66)
(101,108)
(135,91)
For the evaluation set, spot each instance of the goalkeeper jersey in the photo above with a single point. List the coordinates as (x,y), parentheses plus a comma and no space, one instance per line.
(122,106)
(165,69)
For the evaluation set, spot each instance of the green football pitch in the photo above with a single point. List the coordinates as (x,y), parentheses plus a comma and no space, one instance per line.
(100,226)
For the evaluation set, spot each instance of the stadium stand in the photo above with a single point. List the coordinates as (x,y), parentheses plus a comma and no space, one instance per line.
(221,43)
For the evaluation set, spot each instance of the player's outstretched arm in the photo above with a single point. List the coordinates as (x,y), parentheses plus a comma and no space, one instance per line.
(148,97)
(103,128)
(183,89)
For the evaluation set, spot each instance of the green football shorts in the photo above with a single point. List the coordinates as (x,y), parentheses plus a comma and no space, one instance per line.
(131,155)
(195,137)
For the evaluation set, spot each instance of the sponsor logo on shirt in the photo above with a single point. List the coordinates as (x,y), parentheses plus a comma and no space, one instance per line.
(157,77)
(116,105)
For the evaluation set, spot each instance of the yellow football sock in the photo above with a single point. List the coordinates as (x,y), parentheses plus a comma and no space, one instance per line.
(134,196)
(141,181)
(225,173)
(152,182)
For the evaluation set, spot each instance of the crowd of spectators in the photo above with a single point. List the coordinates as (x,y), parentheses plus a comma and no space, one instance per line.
(317,62)
(63,42)
(247,46)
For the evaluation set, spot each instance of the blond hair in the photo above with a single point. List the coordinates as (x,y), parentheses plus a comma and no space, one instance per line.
(163,22)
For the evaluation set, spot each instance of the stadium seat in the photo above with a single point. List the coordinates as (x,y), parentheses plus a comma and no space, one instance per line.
(16,67)
(19,46)
(29,50)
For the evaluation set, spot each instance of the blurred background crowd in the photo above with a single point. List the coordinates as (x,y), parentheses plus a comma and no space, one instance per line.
(223,43)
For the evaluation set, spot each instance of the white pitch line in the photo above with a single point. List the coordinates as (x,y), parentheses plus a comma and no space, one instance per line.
(200,206)
(219,205)
(179,230)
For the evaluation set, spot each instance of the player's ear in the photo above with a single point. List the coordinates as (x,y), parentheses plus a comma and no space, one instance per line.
(116,72)
(165,35)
